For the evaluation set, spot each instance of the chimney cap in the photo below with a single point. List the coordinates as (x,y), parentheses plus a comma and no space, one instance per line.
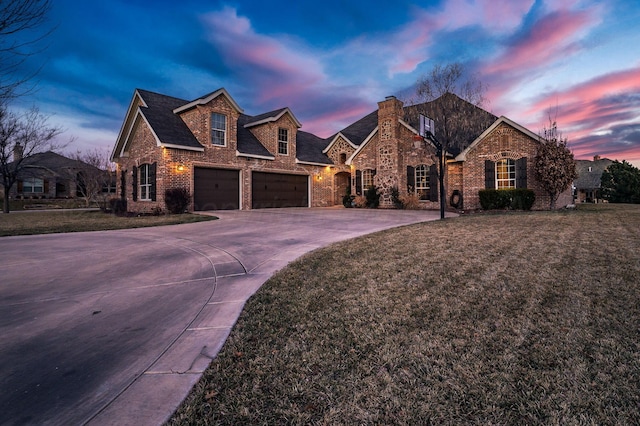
(390,97)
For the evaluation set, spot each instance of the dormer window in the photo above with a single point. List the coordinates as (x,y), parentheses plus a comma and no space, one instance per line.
(218,129)
(283,141)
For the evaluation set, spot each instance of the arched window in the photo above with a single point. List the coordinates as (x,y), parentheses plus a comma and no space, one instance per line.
(343,158)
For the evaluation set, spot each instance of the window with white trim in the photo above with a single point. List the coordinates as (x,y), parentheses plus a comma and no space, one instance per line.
(367,179)
(505,174)
(283,141)
(218,129)
(145,182)
(422,182)
(32,186)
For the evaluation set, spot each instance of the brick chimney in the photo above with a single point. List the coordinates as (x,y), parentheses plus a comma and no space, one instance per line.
(18,152)
(596,157)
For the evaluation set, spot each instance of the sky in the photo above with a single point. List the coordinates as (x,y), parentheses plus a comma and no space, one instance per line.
(330,62)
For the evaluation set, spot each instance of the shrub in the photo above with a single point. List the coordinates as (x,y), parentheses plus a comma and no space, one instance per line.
(395,198)
(410,201)
(177,200)
(347,200)
(118,206)
(360,201)
(514,199)
(373,197)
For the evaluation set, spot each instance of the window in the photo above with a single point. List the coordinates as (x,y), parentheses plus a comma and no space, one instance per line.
(367,179)
(33,186)
(283,141)
(145,182)
(343,158)
(422,182)
(505,174)
(218,129)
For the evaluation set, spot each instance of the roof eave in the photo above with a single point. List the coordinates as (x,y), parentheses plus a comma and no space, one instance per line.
(257,156)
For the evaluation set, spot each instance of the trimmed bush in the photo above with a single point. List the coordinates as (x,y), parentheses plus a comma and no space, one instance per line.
(118,206)
(177,200)
(395,198)
(500,199)
(373,197)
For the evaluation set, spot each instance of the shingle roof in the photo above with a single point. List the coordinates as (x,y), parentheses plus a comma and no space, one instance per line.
(247,142)
(167,125)
(432,109)
(309,148)
(53,162)
(358,131)
(590,179)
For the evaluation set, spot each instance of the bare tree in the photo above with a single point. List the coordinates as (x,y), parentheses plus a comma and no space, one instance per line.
(94,176)
(21,137)
(555,167)
(453,101)
(21,23)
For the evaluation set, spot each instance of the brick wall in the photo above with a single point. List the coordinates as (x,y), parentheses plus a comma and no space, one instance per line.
(143,149)
(503,142)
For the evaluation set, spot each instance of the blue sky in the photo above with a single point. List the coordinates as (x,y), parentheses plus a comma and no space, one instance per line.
(331,61)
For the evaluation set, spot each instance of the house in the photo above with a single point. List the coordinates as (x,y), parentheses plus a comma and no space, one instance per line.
(587,184)
(47,175)
(231,160)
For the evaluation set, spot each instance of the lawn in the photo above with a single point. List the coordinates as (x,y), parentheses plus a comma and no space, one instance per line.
(526,318)
(47,222)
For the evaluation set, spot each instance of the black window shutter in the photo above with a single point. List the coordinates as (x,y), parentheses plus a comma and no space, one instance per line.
(134,184)
(411,179)
(489,174)
(358,182)
(433,183)
(521,172)
(20,186)
(152,180)
(123,184)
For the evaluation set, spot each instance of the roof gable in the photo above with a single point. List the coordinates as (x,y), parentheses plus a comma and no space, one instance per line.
(206,99)
(156,111)
(272,116)
(463,155)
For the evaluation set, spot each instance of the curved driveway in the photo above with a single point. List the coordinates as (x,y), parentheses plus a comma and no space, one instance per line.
(115,327)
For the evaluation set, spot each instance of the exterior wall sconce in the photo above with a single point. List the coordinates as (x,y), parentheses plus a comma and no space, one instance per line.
(180,167)
(318,177)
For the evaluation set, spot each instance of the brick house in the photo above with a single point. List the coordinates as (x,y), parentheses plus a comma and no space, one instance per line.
(587,184)
(47,175)
(230,160)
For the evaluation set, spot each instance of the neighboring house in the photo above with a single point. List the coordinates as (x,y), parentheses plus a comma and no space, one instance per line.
(48,175)
(230,160)
(587,184)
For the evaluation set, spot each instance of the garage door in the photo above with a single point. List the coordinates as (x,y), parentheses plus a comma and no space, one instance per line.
(279,190)
(216,189)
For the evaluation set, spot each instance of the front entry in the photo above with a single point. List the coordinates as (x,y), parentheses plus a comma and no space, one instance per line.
(342,182)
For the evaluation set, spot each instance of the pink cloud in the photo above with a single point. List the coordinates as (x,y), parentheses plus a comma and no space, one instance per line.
(600,116)
(275,69)
(549,41)
(496,15)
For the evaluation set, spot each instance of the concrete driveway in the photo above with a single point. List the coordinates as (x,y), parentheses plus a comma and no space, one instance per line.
(115,327)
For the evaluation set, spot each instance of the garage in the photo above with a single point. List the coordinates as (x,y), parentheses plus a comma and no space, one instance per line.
(216,189)
(273,190)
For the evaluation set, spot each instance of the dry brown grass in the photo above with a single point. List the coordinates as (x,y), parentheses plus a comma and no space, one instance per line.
(47,222)
(527,318)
